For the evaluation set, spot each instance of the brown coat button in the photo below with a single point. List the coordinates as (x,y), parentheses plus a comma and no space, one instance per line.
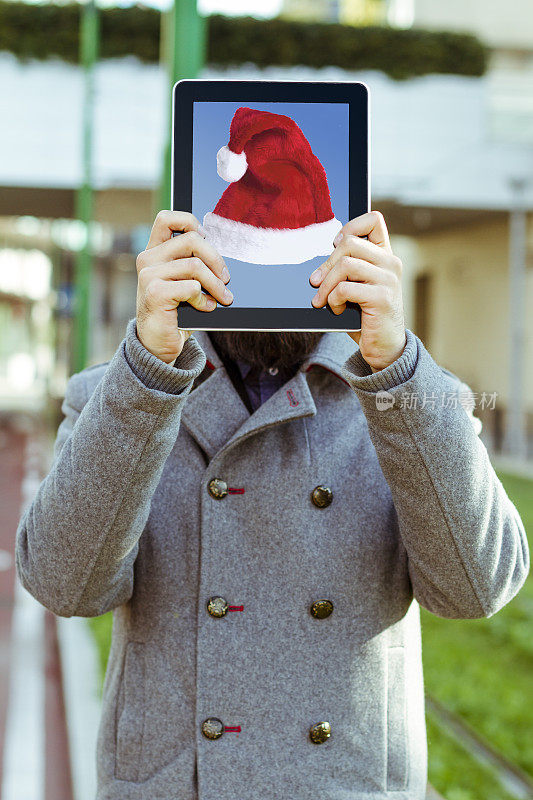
(217,606)
(217,488)
(212,728)
(320,732)
(321,609)
(322,496)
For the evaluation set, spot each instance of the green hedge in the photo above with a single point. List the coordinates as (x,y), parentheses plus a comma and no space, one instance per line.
(45,30)
(399,53)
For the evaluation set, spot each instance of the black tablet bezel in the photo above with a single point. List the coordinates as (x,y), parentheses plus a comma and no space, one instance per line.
(184,94)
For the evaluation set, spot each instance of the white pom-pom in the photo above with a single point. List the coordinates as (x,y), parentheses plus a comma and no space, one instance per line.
(231,166)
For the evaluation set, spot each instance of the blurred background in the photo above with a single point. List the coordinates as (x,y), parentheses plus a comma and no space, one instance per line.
(84,168)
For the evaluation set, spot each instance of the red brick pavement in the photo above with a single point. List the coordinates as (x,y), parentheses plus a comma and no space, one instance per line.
(11,475)
(13,442)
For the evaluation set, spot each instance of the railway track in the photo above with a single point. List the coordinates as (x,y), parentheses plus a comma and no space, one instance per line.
(512,778)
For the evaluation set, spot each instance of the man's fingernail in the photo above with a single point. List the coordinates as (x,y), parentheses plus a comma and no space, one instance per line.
(225,274)
(337,239)
(316,275)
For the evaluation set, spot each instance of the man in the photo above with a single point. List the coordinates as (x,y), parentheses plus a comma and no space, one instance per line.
(266,569)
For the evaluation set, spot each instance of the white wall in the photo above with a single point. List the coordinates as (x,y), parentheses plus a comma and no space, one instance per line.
(469,317)
(498,23)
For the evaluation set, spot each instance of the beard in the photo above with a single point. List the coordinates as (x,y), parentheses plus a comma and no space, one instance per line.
(285,350)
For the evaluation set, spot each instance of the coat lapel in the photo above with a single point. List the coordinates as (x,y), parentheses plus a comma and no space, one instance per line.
(215,415)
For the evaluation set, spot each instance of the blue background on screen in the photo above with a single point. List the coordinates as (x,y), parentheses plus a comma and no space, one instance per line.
(325,125)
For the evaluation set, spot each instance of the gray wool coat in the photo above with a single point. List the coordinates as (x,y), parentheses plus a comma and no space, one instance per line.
(165,492)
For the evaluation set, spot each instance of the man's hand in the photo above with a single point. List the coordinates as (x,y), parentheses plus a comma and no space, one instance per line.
(173,270)
(366,272)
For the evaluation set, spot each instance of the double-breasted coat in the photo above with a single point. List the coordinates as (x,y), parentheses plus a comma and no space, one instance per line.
(266,570)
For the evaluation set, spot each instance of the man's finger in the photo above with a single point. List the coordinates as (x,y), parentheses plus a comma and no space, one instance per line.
(351,269)
(352,247)
(371,224)
(168,221)
(189,268)
(367,295)
(186,246)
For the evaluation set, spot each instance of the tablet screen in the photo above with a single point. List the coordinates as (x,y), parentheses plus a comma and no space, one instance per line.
(260,208)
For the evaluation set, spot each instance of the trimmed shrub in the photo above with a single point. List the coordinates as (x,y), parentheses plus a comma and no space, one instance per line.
(44,30)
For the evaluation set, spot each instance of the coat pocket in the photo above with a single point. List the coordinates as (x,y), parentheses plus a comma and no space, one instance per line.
(130,714)
(397,751)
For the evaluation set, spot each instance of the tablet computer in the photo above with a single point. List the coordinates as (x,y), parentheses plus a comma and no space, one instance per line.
(272,170)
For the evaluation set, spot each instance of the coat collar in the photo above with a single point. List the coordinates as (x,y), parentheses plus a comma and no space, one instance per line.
(217,418)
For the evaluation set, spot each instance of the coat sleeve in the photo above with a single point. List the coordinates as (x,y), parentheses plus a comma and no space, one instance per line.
(466,545)
(77,540)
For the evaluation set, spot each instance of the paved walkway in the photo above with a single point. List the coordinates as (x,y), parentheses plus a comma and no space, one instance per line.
(522,469)
(34,758)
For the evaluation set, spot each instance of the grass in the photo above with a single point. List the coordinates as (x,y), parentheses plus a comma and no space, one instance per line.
(481,669)
(101,629)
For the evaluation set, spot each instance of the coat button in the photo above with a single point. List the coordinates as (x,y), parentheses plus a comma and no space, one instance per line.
(217,488)
(320,732)
(217,606)
(321,609)
(321,496)
(212,728)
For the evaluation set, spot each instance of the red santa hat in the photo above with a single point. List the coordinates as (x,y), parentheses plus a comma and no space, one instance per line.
(277,209)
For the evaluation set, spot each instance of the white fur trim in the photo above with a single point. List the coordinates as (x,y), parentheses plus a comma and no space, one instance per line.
(270,245)
(231,166)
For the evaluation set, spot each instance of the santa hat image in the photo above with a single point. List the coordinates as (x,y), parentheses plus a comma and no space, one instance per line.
(277,209)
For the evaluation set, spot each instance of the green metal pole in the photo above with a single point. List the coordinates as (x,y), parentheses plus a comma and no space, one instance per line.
(89,35)
(183,51)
